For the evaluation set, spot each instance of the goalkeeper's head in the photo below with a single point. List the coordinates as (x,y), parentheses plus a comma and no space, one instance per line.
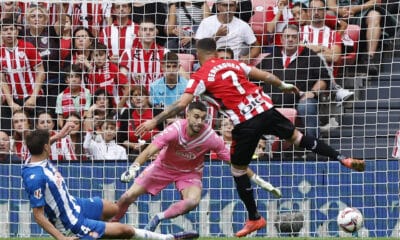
(38,142)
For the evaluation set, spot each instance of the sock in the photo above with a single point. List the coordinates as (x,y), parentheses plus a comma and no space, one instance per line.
(319,147)
(144,234)
(180,208)
(245,192)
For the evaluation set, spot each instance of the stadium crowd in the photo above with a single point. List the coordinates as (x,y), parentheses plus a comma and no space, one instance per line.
(102,69)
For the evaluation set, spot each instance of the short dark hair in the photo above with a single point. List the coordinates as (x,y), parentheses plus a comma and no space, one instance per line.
(206,44)
(8,22)
(99,47)
(227,50)
(36,140)
(170,57)
(75,68)
(301,5)
(197,105)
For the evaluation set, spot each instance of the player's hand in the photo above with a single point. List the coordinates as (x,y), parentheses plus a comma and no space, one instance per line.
(145,127)
(130,174)
(287,87)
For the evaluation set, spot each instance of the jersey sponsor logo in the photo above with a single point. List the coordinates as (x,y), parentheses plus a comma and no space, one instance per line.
(187,155)
(38,193)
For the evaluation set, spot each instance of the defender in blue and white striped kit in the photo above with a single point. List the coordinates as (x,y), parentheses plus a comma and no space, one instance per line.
(69,217)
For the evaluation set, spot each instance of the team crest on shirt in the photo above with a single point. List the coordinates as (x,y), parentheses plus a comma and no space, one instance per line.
(187,155)
(21,54)
(44,40)
(38,194)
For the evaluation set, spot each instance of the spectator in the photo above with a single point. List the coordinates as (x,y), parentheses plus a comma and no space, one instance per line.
(183,20)
(106,148)
(21,126)
(277,18)
(245,10)
(166,90)
(129,119)
(155,12)
(74,120)
(6,155)
(88,15)
(61,147)
(106,75)
(66,37)
(101,110)
(21,89)
(302,67)
(10,9)
(47,41)
(142,64)
(373,20)
(74,98)
(230,31)
(81,53)
(120,35)
(326,42)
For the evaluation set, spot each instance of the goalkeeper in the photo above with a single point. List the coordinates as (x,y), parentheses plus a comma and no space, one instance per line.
(181,147)
(69,217)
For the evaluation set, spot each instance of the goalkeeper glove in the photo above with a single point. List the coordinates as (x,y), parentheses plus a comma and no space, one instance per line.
(130,174)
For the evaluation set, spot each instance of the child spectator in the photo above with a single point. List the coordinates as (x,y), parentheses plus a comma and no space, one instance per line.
(21,127)
(74,98)
(129,119)
(106,75)
(106,149)
(62,148)
(166,90)
(74,120)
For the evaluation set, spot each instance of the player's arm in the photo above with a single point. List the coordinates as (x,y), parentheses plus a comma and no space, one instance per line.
(40,218)
(171,111)
(270,78)
(132,171)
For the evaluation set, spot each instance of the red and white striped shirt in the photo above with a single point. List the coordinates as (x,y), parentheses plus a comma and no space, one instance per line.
(62,149)
(108,77)
(226,82)
(119,38)
(324,36)
(88,15)
(18,64)
(143,65)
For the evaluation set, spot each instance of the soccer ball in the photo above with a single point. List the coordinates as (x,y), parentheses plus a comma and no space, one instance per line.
(350,220)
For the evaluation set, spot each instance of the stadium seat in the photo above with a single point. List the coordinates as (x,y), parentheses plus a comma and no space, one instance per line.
(258,59)
(186,61)
(258,20)
(279,145)
(353,31)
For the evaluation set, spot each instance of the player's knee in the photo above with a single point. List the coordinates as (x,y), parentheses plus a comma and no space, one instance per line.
(127,231)
(192,203)
(237,172)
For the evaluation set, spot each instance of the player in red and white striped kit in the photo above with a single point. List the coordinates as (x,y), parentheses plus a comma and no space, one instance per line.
(253,114)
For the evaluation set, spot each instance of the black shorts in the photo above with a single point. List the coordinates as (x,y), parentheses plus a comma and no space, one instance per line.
(245,136)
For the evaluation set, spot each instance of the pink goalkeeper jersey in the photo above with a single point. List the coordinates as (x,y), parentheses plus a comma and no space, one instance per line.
(186,154)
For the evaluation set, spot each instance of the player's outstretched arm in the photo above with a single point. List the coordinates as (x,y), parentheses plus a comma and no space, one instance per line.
(40,218)
(132,171)
(270,78)
(171,111)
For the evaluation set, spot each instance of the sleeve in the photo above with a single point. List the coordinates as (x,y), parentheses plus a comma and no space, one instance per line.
(222,152)
(195,87)
(35,186)
(125,59)
(203,31)
(123,155)
(246,68)
(248,35)
(88,143)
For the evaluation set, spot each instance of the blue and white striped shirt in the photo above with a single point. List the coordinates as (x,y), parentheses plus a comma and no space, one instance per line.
(46,188)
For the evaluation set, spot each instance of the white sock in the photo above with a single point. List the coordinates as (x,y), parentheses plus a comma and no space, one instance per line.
(144,234)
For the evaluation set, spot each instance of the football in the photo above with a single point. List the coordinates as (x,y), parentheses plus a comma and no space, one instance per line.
(350,219)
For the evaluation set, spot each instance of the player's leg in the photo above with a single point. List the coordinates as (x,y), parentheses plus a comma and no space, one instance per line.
(127,199)
(190,186)
(284,129)
(110,209)
(119,230)
(245,139)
